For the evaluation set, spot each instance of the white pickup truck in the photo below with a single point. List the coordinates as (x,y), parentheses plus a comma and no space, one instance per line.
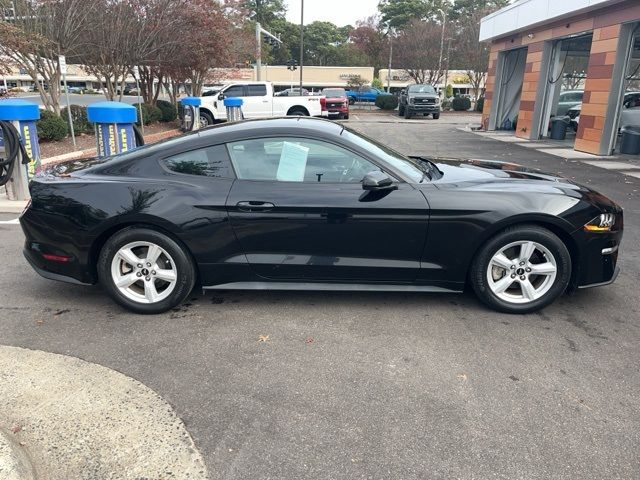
(258,102)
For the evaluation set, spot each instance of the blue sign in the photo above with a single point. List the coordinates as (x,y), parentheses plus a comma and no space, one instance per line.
(115,138)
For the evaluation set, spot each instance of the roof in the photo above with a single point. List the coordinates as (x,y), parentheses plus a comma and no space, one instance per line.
(526,14)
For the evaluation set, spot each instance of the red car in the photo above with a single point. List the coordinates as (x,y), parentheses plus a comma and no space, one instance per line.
(337,102)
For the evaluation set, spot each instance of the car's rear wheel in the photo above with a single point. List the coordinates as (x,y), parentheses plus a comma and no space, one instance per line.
(352,101)
(522,269)
(145,271)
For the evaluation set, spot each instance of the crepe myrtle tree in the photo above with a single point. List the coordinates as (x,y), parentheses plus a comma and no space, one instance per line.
(34,33)
(418,50)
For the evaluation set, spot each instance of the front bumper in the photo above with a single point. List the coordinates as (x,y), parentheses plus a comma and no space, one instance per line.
(598,263)
(419,107)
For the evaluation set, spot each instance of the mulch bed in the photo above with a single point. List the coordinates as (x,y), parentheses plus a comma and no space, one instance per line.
(85,142)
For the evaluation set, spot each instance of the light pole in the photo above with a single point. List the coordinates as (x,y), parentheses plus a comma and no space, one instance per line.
(444,22)
(301,41)
(390,32)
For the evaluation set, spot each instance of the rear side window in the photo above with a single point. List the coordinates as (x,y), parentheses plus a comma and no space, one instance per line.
(257,90)
(205,162)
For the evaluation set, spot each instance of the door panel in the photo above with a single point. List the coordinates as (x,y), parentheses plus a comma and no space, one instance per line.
(329,231)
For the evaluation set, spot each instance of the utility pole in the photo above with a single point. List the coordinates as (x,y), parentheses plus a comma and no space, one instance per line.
(390,58)
(301,42)
(444,22)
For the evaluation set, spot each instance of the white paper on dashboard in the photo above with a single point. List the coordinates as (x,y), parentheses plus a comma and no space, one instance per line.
(293,162)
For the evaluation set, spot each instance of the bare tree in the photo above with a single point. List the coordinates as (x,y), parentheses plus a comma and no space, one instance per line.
(418,51)
(471,54)
(37,33)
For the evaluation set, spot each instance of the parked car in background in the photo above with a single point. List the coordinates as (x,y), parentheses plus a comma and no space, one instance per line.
(337,102)
(629,115)
(259,102)
(292,92)
(419,99)
(567,100)
(364,94)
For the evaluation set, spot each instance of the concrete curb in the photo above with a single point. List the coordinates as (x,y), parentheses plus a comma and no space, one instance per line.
(82,420)
(15,463)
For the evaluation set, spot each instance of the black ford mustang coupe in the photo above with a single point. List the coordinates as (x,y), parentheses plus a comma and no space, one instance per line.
(308,204)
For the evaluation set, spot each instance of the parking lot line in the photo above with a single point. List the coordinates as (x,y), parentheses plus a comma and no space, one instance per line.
(15,221)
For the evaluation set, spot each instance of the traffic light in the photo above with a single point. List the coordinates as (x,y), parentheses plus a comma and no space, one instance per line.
(270,39)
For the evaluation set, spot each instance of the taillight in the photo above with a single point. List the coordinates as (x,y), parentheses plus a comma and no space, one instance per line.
(323,104)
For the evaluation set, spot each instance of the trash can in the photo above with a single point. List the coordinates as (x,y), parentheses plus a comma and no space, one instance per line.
(559,127)
(630,142)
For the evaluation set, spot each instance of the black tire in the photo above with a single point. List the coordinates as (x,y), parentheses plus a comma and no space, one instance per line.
(436,116)
(352,101)
(298,111)
(184,268)
(206,117)
(408,113)
(346,117)
(401,110)
(542,236)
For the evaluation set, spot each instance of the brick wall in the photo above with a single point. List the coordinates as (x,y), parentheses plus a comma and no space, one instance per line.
(605,25)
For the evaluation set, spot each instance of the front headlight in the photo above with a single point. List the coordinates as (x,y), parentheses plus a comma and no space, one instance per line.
(412,100)
(602,223)
(437,100)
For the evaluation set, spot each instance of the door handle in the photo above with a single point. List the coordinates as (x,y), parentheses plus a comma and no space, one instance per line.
(254,206)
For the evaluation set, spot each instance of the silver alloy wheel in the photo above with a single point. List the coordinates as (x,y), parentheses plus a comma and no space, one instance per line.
(204,121)
(144,272)
(521,272)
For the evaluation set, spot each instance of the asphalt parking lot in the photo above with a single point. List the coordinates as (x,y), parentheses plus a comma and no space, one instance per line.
(292,385)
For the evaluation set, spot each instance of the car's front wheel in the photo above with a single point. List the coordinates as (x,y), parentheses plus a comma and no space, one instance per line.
(145,271)
(522,269)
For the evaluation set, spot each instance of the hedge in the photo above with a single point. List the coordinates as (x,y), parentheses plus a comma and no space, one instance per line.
(387,102)
(150,114)
(168,109)
(51,126)
(480,104)
(461,104)
(79,118)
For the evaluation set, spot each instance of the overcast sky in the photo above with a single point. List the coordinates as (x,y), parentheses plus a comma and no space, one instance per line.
(340,12)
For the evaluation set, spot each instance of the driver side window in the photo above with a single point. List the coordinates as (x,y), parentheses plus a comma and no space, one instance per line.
(290,159)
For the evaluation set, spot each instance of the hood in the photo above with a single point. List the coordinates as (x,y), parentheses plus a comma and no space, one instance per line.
(495,176)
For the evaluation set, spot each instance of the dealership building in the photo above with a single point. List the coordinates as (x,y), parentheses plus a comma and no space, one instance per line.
(550,58)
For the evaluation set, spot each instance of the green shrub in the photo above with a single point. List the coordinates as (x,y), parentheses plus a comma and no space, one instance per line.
(79,118)
(51,126)
(168,109)
(386,102)
(448,91)
(480,104)
(377,83)
(461,104)
(150,114)
(446,105)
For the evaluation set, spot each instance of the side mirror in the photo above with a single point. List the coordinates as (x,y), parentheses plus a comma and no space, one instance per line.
(378,180)
(221,96)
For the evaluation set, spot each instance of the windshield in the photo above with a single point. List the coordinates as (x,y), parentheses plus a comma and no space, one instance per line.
(410,168)
(334,92)
(421,89)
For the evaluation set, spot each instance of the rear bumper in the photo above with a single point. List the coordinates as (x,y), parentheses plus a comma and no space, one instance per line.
(44,270)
